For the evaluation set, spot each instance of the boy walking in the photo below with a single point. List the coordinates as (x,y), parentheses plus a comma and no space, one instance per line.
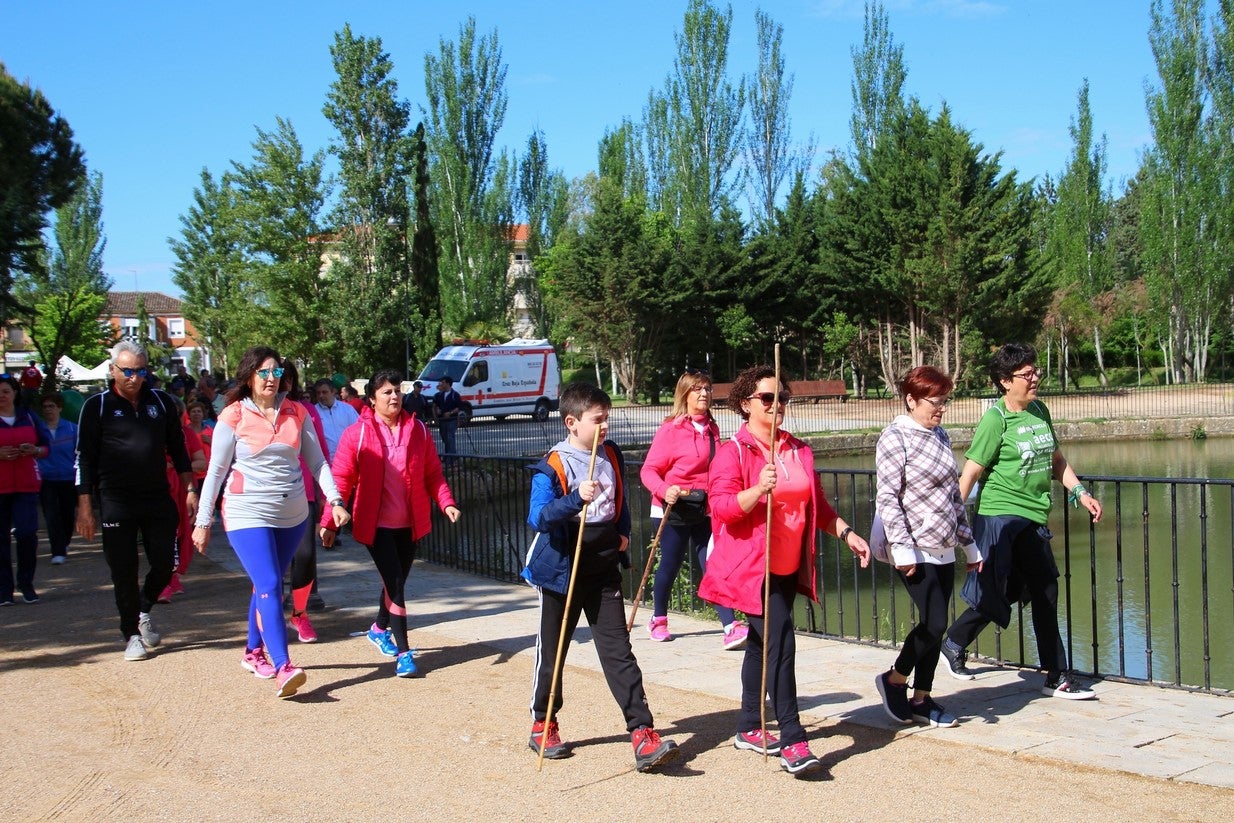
(560,489)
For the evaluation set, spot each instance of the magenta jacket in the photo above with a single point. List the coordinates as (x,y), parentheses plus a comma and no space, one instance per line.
(679,455)
(734,575)
(21,475)
(359,467)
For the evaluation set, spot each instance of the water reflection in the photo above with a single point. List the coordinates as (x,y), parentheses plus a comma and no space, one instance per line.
(1154,576)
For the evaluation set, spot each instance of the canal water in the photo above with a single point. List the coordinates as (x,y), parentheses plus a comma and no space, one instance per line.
(1149,590)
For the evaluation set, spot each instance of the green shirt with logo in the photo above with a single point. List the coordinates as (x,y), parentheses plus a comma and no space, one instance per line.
(1017,449)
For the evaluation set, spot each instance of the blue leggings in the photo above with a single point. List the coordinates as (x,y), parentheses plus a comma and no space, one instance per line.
(674,551)
(266,553)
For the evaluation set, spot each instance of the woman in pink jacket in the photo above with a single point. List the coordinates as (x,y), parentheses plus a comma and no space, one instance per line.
(388,461)
(675,472)
(23,439)
(746,470)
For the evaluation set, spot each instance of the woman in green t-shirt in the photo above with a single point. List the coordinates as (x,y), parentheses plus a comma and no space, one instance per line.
(1015,455)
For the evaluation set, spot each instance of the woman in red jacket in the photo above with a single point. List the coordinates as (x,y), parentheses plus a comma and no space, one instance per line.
(675,472)
(388,462)
(22,440)
(745,471)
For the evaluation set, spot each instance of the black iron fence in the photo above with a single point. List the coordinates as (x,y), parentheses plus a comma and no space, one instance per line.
(634,425)
(1146,596)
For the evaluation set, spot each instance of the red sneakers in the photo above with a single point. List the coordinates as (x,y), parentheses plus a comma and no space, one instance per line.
(650,750)
(554,749)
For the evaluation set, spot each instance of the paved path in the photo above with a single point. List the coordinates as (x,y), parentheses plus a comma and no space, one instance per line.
(1144,730)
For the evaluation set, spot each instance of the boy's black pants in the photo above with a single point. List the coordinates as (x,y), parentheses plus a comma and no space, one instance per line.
(598,595)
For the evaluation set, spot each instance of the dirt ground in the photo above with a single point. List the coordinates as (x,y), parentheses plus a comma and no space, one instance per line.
(189,735)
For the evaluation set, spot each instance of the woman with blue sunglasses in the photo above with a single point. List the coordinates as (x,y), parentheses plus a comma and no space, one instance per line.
(258,442)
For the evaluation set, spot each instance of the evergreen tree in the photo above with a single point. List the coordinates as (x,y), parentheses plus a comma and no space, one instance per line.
(68,292)
(41,169)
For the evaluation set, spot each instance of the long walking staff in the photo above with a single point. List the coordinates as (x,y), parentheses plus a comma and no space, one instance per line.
(762,694)
(565,618)
(651,557)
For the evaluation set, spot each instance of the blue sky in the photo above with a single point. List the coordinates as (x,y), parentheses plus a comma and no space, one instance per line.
(157,91)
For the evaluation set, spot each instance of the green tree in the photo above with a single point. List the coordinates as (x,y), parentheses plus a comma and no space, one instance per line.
(704,112)
(212,270)
(280,196)
(370,280)
(472,214)
(771,157)
(1077,248)
(426,284)
(543,197)
(878,80)
(41,169)
(68,293)
(1177,227)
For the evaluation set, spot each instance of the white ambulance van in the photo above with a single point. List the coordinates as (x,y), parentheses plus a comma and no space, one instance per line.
(516,377)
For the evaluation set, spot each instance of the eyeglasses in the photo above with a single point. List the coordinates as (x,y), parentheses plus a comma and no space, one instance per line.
(1028,376)
(768,398)
(705,389)
(130,373)
(938,404)
(265,374)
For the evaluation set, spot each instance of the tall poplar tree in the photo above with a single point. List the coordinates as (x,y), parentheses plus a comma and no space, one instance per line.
(770,155)
(370,280)
(1177,230)
(1078,248)
(465,89)
(878,80)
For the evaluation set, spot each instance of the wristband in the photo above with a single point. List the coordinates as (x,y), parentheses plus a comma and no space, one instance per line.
(1077,491)
(844,534)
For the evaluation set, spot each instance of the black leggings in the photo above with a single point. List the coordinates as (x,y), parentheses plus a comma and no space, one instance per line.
(781,664)
(930,587)
(393,551)
(304,564)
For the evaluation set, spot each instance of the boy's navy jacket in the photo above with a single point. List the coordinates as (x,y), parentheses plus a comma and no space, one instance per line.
(552,513)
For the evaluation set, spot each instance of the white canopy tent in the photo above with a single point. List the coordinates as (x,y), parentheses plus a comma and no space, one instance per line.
(74,372)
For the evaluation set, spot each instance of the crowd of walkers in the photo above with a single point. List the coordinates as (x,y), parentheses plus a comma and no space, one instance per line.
(285,469)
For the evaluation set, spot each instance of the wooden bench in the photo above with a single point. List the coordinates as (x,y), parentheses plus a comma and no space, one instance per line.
(812,390)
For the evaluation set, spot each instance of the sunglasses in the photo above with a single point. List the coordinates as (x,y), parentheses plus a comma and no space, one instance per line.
(130,373)
(767,398)
(266,374)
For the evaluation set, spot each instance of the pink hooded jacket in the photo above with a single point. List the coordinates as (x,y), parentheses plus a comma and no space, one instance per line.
(679,455)
(734,575)
(360,465)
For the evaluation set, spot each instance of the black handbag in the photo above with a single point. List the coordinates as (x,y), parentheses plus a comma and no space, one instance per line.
(690,508)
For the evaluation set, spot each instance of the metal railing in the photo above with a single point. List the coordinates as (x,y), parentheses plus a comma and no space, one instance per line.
(1145,596)
(631,425)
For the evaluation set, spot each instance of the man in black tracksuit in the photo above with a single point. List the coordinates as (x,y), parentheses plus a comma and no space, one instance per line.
(125,437)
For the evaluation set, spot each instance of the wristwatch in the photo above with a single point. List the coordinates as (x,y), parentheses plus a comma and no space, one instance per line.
(339,502)
(844,534)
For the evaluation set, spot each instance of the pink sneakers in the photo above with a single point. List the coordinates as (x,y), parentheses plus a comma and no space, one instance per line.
(289,678)
(255,660)
(752,741)
(735,636)
(658,629)
(300,622)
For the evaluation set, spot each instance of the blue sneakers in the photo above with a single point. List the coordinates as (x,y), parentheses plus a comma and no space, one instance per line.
(382,639)
(405,666)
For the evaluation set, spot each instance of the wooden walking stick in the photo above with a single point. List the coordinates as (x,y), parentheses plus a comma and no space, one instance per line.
(651,556)
(565,618)
(762,694)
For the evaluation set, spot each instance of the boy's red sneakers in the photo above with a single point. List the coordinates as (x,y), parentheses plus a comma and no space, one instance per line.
(554,749)
(650,750)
